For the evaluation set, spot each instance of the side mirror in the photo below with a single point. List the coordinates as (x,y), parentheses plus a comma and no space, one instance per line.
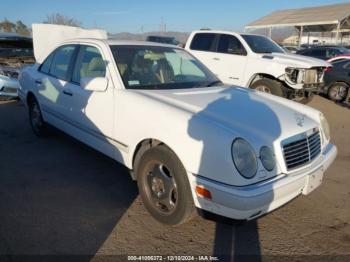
(237,51)
(98,84)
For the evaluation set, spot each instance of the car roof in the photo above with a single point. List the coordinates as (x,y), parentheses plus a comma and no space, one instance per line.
(114,42)
(137,43)
(326,46)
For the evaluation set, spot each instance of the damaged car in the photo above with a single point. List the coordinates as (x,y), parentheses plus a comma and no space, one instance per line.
(15,52)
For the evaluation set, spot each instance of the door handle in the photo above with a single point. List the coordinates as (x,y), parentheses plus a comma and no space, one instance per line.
(38,81)
(217,59)
(67,93)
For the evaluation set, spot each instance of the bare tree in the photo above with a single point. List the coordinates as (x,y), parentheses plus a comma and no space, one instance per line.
(60,19)
(22,29)
(7,26)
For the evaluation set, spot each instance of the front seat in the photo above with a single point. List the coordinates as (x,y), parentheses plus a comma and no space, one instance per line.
(96,68)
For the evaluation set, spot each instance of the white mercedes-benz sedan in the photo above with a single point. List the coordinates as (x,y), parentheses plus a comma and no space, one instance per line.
(188,140)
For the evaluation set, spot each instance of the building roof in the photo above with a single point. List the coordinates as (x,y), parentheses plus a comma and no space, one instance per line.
(311,16)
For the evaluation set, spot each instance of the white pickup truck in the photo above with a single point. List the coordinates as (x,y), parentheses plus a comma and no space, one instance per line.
(257,62)
(189,140)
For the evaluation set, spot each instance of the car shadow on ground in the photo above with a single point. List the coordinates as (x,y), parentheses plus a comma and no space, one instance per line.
(65,199)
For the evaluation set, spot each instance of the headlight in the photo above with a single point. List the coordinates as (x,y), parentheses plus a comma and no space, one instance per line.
(325,127)
(294,75)
(244,158)
(267,158)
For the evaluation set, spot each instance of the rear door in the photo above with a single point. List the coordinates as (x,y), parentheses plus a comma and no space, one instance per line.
(202,47)
(52,81)
(231,59)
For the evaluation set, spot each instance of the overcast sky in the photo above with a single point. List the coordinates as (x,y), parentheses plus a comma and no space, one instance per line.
(147,15)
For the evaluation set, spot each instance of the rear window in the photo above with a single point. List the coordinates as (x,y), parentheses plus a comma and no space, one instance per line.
(203,42)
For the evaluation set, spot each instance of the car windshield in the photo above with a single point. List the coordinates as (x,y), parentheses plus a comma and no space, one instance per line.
(156,67)
(261,44)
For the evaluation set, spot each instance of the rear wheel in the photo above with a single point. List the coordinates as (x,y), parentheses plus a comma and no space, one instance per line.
(164,186)
(269,86)
(338,91)
(37,123)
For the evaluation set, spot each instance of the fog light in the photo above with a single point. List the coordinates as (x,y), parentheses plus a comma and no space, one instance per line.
(202,192)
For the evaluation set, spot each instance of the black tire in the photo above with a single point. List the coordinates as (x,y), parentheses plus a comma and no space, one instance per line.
(338,92)
(164,186)
(268,86)
(36,120)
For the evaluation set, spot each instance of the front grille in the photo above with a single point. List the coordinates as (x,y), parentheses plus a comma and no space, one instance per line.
(301,149)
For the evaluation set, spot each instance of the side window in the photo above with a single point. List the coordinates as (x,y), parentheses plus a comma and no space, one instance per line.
(229,44)
(89,63)
(45,67)
(203,42)
(332,52)
(319,52)
(347,65)
(61,61)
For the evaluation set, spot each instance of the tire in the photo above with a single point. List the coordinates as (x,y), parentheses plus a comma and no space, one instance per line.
(338,92)
(164,186)
(36,120)
(268,86)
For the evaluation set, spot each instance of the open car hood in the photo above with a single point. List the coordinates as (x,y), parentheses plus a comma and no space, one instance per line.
(47,36)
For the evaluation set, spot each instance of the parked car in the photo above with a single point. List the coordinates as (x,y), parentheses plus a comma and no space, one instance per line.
(339,57)
(15,52)
(162,39)
(324,52)
(189,140)
(257,62)
(338,80)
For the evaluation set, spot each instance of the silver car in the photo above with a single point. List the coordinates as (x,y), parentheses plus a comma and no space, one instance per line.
(15,52)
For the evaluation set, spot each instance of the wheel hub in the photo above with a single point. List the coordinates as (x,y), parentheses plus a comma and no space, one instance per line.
(263,88)
(163,192)
(158,187)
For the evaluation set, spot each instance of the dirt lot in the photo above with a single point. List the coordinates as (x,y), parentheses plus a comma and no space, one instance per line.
(58,196)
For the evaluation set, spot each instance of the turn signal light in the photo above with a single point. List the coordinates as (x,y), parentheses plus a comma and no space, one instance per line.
(202,192)
(328,69)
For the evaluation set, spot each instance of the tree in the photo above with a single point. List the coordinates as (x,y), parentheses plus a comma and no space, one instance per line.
(22,29)
(59,19)
(7,26)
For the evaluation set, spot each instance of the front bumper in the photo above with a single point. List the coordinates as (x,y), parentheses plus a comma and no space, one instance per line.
(249,202)
(8,86)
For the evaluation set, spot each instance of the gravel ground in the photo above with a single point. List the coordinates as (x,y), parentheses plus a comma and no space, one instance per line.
(59,197)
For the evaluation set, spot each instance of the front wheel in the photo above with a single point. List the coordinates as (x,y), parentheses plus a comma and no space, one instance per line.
(338,91)
(164,186)
(270,86)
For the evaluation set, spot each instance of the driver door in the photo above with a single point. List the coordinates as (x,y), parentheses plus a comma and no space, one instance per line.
(91,112)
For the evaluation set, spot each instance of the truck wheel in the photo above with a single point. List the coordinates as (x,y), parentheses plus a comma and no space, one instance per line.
(268,86)
(37,123)
(338,91)
(164,187)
